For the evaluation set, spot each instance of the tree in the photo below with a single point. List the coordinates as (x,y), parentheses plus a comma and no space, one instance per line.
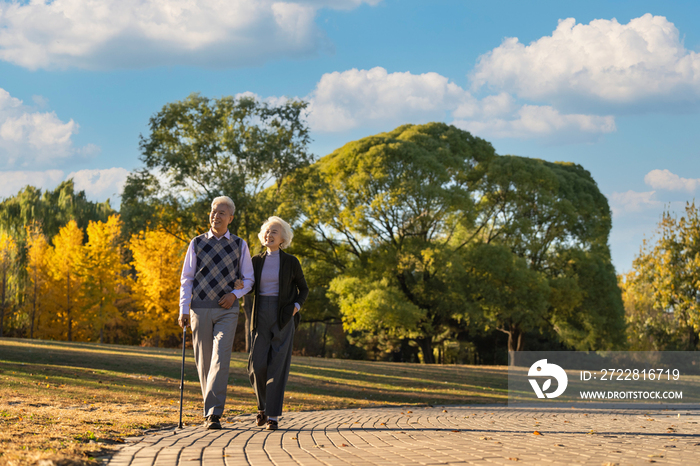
(431,219)
(503,291)
(38,251)
(157,260)
(200,148)
(554,217)
(667,275)
(649,326)
(8,251)
(384,210)
(64,264)
(101,271)
(49,210)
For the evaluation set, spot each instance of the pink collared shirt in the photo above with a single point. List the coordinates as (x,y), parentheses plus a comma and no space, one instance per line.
(188,271)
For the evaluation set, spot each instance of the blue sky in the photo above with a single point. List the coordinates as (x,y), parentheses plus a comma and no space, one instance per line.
(613,85)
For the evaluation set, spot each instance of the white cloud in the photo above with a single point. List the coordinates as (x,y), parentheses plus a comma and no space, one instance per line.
(28,137)
(98,184)
(633,201)
(356,98)
(99,34)
(12,181)
(641,63)
(532,121)
(665,179)
(348,99)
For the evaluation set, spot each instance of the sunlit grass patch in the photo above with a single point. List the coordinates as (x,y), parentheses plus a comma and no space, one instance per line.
(75,401)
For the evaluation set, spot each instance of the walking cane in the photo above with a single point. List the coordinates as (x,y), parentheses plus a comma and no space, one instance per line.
(182,372)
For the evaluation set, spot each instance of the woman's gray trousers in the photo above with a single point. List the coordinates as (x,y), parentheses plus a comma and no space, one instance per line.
(270,357)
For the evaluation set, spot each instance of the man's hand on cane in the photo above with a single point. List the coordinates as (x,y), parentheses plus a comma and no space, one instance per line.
(183,320)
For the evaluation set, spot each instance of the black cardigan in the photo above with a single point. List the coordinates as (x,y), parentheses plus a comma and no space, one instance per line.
(293,288)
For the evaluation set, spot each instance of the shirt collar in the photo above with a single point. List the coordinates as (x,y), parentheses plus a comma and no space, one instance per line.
(210,235)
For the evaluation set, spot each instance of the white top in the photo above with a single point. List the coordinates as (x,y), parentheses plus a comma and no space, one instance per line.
(188,271)
(270,275)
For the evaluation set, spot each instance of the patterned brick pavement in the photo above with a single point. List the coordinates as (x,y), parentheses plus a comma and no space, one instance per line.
(453,435)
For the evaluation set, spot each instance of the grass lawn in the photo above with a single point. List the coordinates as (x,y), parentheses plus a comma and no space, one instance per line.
(71,402)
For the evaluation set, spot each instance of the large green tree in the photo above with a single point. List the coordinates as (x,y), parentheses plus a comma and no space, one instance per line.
(200,148)
(554,217)
(428,231)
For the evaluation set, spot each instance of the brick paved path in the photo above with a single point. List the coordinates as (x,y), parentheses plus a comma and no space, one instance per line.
(420,435)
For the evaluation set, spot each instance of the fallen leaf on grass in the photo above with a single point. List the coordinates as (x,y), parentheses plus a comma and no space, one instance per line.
(444,410)
(294,438)
(536,433)
(485,438)
(456,431)
(382,424)
(343,445)
(513,459)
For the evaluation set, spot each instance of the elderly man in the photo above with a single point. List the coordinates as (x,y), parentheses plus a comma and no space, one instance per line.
(209,302)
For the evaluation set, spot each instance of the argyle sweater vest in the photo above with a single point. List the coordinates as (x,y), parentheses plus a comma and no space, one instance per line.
(218,264)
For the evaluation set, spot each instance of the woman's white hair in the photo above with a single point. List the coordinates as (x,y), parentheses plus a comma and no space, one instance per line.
(224,200)
(287,233)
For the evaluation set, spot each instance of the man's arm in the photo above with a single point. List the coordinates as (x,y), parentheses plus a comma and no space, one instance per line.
(186,282)
(248,276)
(247,273)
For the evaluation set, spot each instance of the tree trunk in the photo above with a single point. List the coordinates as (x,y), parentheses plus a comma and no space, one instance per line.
(516,342)
(70,322)
(31,329)
(325,331)
(515,339)
(691,345)
(426,348)
(102,319)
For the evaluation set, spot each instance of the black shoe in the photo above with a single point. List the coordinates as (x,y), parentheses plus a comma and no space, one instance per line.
(261,420)
(213,422)
(271,425)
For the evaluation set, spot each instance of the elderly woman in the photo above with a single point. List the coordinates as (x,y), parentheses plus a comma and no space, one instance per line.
(280,290)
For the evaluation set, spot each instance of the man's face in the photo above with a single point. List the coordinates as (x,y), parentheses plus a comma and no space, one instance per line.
(220,216)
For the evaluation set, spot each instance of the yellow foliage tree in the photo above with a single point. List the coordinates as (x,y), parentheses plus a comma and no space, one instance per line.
(38,252)
(662,293)
(102,272)
(66,284)
(157,260)
(8,249)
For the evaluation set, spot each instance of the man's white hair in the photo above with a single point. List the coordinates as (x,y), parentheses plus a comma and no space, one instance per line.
(224,200)
(286,233)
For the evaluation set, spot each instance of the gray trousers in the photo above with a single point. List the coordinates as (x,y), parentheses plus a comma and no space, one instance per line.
(213,331)
(270,357)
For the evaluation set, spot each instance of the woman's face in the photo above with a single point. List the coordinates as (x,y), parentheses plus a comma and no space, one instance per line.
(272,237)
